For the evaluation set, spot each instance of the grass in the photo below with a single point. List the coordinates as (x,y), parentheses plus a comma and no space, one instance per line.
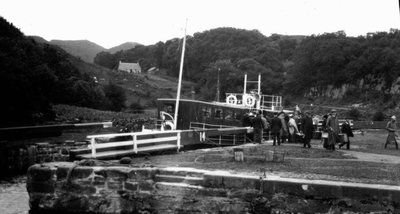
(372,141)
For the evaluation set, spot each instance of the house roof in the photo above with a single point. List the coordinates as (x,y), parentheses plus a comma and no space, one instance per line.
(126,66)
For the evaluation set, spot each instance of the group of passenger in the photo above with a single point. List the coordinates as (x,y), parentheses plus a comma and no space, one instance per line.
(283,127)
(299,127)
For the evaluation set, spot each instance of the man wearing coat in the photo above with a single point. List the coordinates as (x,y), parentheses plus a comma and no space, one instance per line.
(332,126)
(276,126)
(392,129)
(258,127)
(307,128)
(346,129)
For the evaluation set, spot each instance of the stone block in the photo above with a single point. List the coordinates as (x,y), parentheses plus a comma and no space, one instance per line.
(146,185)
(213,181)
(41,187)
(117,173)
(213,192)
(81,172)
(243,194)
(277,186)
(114,185)
(241,182)
(131,186)
(62,172)
(80,189)
(142,173)
(98,180)
(40,173)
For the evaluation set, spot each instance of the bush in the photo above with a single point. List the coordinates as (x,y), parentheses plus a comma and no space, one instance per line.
(354,113)
(378,116)
(136,108)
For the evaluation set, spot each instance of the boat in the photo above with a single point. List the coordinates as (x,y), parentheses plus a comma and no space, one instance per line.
(196,114)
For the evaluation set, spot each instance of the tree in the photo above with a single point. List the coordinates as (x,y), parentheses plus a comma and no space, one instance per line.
(116,95)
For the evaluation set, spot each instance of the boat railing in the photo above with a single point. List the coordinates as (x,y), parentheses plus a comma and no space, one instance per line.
(198,125)
(132,139)
(271,103)
(255,101)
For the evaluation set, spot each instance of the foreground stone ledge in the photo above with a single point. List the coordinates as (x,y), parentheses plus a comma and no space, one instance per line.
(70,188)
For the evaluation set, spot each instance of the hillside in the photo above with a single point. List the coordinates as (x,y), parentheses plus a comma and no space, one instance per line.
(124,46)
(84,49)
(144,89)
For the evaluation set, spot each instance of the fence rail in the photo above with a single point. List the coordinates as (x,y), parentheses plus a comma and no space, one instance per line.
(174,135)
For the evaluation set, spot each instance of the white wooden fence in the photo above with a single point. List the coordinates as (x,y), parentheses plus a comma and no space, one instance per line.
(176,136)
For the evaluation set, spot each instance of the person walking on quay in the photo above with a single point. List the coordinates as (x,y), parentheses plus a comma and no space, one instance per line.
(332,126)
(346,129)
(258,127)
(284,133)
(392,128)
(293,130)
(276,126)
(307,128)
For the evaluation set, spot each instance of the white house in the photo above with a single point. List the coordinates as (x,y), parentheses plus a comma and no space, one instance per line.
(133,68)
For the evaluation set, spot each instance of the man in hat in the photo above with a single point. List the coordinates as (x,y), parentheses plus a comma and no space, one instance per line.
(258,127)
(332,126)
(307,128)
(276,125)
(392,128)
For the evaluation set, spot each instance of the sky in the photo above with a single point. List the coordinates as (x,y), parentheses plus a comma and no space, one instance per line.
(109,23)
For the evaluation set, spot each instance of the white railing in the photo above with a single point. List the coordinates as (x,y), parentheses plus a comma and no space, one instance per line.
(266,102)
(197,125)
(176,136)
(270,102)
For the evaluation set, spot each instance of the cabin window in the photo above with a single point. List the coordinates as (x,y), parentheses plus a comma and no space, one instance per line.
(206,111)
(169,108)
(229,115)
(238,115)
(218,113)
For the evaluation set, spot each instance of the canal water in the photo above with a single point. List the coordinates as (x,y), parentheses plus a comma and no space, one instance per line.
(14,198)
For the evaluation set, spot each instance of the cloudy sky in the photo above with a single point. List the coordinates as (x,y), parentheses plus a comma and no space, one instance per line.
(112,22)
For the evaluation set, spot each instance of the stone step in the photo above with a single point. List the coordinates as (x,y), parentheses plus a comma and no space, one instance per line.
(181,189)
(196,181)
(182,171)
(121,153)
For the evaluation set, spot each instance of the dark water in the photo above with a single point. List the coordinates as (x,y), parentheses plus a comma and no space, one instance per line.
(14,198)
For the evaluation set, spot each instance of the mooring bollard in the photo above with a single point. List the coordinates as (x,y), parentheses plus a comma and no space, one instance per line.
(238,153)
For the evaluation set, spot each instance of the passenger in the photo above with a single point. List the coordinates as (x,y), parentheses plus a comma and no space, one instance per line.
(307,129)
(266,125)
(246,121)
(324,130)
(332,126)
(315,120)
(293,130)
(276,126)
(392,129)
(284,133)
(346,129)
(258,127)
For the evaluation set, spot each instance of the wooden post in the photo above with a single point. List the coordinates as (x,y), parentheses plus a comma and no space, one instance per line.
(135,143)
(93,144)
(178,140)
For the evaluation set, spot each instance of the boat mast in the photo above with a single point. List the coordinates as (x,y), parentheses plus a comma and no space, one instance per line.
(178,93)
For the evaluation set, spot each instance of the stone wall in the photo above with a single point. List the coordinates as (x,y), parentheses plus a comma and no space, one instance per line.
(65,187)
(15,159)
